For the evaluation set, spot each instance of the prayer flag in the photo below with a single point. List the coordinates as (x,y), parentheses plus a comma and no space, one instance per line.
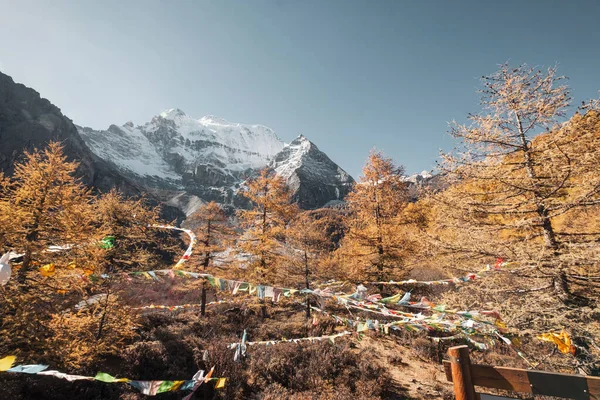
(220,383)
(7,362)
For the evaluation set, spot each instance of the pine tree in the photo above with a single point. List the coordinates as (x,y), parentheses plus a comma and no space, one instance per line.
(374,245)
(265,225)
(211,226)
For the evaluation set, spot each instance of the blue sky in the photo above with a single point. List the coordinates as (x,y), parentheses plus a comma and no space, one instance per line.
(350,75)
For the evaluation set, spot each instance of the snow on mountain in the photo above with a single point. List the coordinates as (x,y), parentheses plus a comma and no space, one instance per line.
(129,150)
(416,178)
(194,160)
(173,144)
(313,177)
(290,158)
(235,147)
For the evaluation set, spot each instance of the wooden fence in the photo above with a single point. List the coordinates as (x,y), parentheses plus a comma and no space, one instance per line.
(466,376)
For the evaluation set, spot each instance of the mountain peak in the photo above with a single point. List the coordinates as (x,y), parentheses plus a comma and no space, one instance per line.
(301,143)
(172,113)
(214,120)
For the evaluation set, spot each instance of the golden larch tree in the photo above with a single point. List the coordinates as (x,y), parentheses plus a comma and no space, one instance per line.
(516,171)
(374,245)
(307,241)
(42,205)
(213,233)
(265,225)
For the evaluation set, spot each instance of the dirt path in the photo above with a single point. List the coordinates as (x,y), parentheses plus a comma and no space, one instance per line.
(416,378)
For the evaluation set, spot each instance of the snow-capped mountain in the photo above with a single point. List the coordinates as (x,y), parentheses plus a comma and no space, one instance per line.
(418,178)
(189,160)
(314,178)
(28,122)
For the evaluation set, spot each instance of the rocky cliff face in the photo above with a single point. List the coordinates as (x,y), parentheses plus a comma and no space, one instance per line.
(312,176)
(28,121)
(187,161)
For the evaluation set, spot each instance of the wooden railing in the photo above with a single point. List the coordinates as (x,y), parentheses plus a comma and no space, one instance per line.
(466,376)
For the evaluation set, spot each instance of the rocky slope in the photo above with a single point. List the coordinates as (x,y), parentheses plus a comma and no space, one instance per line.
(187,161)
(28,121)
(312,176)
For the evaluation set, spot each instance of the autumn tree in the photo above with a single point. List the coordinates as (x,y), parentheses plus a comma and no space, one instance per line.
(307,241)
(265,225)
(42,205)
(45,215)
(510,185)
(211,226)
(374,245)
(125,241)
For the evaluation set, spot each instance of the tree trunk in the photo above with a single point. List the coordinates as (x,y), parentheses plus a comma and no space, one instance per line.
(203,292)
(561,287)
(307,284)
(22,275)
(548,229)
(560,283)
(205,263)
(263,308)
(203,300)
(263,262)
(103,318)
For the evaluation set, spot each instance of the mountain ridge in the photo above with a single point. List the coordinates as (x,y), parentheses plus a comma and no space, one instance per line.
(209,158)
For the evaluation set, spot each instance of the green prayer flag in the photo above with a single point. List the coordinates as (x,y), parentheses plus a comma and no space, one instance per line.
(104,377)
(166,386)
(108,242)
(393,299)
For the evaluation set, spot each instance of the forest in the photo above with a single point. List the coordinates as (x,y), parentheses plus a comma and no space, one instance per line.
(101,299)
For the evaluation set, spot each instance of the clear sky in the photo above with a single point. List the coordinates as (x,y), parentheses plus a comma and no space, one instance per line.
(350,75)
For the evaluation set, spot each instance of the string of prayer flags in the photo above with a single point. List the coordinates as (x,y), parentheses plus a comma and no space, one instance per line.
(181,306)
(562,340)
(146,387)
(188,252)
(311,339)
(478,345)
(456,280)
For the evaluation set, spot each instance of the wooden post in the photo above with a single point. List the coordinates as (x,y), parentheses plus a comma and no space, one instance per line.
(461,372)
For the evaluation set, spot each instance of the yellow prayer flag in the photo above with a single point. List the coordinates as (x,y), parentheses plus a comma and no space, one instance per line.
(47,270)
(500,324)
(176,386)
(7,362)
(561,340)
(220,383)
